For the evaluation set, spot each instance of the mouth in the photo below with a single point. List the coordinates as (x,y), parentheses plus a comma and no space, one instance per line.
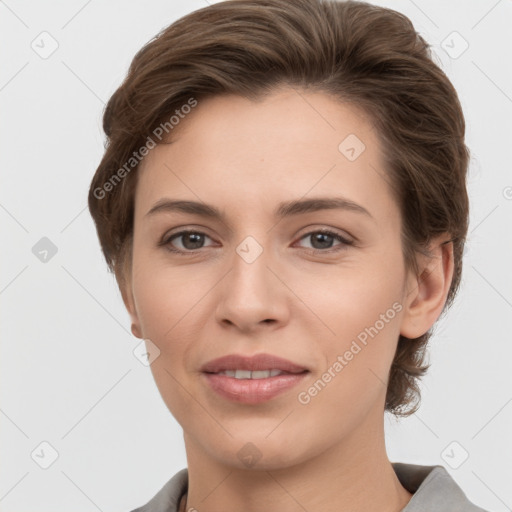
(256,374)
(252,380)
(253,364)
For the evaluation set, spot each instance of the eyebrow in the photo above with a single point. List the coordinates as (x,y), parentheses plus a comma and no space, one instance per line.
(285,209)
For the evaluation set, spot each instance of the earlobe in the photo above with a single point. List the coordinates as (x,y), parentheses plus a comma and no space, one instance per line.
(426,294)
(136,330)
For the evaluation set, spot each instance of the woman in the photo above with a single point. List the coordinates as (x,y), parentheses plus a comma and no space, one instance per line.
(283,202)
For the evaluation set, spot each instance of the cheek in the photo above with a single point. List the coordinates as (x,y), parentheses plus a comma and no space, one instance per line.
(165,297)
(341,302)
(355,327)
(352,380)
(168,301)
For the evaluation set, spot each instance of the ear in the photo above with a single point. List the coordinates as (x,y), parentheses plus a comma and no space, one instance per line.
(426,294)
(125,287)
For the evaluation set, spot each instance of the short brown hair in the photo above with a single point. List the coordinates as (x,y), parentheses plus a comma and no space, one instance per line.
(364,55)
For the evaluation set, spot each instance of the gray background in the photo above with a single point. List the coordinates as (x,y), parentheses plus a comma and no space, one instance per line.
(68,374)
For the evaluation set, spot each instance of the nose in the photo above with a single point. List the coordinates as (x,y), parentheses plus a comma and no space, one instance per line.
(252,296)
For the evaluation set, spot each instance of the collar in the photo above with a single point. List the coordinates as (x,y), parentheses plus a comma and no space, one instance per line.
(433,488)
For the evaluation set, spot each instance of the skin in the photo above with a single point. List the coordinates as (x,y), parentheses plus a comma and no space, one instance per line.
(294,300)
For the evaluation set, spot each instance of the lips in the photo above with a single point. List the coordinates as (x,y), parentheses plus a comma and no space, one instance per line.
(258,362)
(252,391)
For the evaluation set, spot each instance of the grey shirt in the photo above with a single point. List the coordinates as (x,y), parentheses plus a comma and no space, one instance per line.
(433,489)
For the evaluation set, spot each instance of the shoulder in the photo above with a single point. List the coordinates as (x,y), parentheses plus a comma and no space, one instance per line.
(168,497)
(433,488)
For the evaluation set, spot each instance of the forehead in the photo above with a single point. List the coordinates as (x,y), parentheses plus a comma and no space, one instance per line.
(289,144)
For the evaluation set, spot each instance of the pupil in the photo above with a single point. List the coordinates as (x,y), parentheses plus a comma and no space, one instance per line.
(197,241)
(322,235)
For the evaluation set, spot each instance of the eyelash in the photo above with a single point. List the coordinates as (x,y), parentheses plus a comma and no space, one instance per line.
(344,242)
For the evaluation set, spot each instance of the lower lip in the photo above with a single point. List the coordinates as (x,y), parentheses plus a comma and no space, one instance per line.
(252,391)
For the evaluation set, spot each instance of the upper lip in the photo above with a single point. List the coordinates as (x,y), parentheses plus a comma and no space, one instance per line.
(253,363)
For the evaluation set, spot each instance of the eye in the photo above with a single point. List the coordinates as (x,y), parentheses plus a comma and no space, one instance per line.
(322,240)
(191,241)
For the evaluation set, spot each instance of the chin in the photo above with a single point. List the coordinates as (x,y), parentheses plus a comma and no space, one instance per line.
(254,451)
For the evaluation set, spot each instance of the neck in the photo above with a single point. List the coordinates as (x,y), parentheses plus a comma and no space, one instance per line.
(354,475)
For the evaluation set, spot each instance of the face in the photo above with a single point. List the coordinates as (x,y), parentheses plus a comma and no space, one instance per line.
(322,285)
